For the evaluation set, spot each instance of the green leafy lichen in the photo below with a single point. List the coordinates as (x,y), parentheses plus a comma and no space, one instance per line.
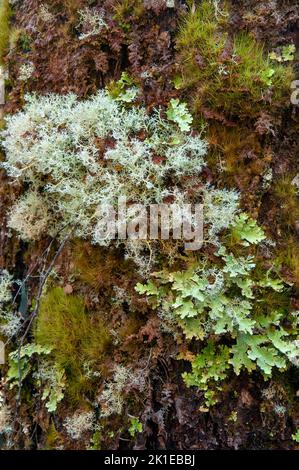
(210,301)
(178,113)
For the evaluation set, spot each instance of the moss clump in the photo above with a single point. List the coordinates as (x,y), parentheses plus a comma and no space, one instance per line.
(78,340)
(125,10)
(287,195)
(87,260)
(227,74)
(5,13)
(288,257)
(53,438)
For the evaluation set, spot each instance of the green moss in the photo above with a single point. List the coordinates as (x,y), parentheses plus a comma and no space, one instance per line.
(228,145)
(52,438)
(287,195)
(288,257)
(19,39)
(126,9)
(78,340)
(24,42)
(199,29)
(5,13)
(227,74)
(96,441)
(99,267)
(199,43)
(14,37)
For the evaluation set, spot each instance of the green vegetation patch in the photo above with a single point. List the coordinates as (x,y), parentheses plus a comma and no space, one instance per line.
(78,339)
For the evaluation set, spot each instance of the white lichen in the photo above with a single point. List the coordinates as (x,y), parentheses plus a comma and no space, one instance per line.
(112,399)
(91,22)
(78,424)
(26,71)
(10,320)
(80,157)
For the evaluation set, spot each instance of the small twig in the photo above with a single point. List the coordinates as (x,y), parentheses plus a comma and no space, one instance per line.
(43,279)
(43,258)
(148,361)
(45,253)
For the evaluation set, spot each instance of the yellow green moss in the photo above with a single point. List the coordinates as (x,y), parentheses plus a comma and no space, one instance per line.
(53,438)
(79,340)
(14,37)
(288,257)
(5,13)
(227,74)
(287,195)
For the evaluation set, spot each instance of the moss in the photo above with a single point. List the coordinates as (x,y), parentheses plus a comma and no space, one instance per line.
(200,30)
(96,441)
(228,149)
(125,9)
(52,438)
(227,74)
(14,37)
(19,38)
(287,195)
(288,257)
(78,339)
(24,41)
(99,267)
(72,7)
(5,13)
(255,70)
